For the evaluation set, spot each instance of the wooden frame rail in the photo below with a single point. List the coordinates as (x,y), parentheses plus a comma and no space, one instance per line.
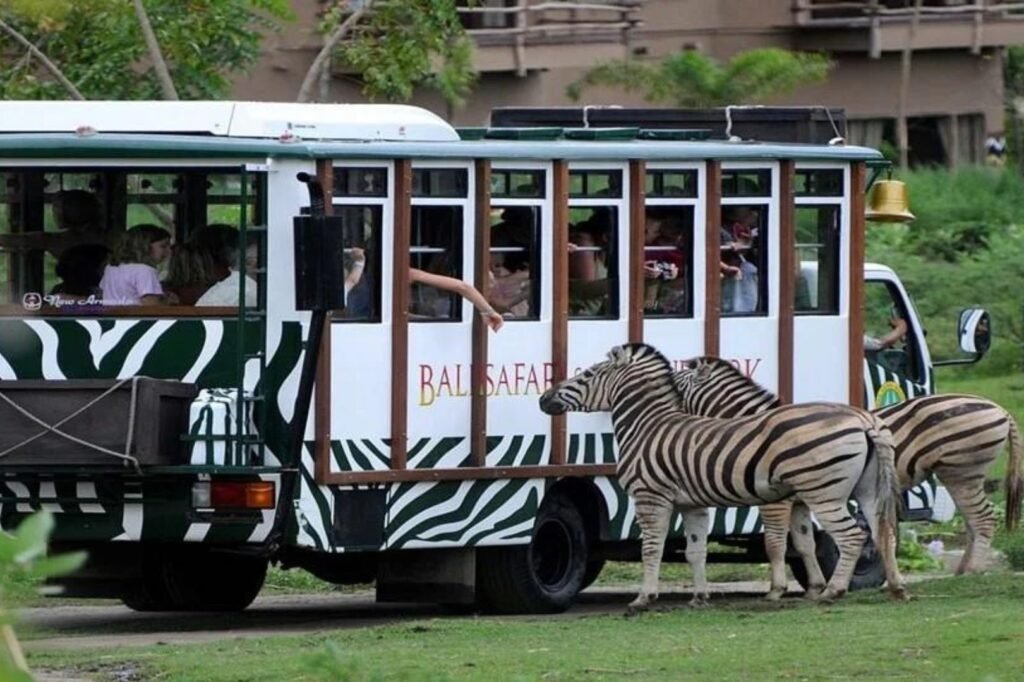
(478,372)
(560,297)
(788,263)
(712,257)
(637,237)
(855,352)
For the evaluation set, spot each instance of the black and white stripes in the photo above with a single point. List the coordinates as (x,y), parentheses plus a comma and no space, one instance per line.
(821,454)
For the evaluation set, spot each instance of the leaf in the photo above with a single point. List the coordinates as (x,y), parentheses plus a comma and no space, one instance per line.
(61,564)
(32,536)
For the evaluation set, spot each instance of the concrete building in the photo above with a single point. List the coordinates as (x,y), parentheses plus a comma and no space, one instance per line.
(528,51)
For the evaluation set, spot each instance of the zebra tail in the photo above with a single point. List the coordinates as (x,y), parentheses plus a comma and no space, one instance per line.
(890,494)
(1014,481)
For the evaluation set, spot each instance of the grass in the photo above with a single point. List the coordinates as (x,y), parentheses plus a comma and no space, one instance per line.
(955,629)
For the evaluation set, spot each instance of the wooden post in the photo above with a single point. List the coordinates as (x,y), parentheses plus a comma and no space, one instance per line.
(788,264)
(902,136)
(560,306)
(637,225)
(322,387)
(712,257)
(858,179)
(400,314)
(478,372)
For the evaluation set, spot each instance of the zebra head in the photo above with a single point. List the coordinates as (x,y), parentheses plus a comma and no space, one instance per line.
(595,389)
(713,387)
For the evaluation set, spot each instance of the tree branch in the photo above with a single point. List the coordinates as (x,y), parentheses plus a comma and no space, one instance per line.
(43,59)
(163,74)
(325,52)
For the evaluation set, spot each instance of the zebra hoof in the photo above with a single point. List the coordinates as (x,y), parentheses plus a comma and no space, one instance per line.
(813,592)
(829,596)
(899,594)
(699,601)
(774,595)
(639,605)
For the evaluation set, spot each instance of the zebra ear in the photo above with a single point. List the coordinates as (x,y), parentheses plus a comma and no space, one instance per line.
(702,369)
(620,355)
(690,364)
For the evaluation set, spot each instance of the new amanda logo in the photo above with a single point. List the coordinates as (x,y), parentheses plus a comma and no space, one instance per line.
(889,393)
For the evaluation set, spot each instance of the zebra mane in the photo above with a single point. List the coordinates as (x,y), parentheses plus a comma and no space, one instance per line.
(630,351)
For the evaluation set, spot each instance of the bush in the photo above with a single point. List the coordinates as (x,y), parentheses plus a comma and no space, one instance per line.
(1012,545)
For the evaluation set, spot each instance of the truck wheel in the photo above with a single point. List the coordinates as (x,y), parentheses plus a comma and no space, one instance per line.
(189,579)
(868,573)
(594,568)
(544,576)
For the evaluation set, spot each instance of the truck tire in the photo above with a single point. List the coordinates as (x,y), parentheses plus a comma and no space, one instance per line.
(544,576)
(196,579)
(868,573)
(594,568)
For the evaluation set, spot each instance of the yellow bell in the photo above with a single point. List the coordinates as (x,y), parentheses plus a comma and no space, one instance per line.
(888,203)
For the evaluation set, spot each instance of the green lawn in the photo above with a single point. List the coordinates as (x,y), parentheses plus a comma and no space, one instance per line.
(954,629)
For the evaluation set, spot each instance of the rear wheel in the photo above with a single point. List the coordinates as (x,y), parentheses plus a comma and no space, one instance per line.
(868,573)
(544,576)
(196,579)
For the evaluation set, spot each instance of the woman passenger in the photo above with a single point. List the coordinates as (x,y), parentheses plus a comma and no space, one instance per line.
(189,274)
(132,277)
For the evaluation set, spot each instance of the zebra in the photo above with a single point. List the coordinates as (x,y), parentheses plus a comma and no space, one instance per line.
(820,454)
(956,437)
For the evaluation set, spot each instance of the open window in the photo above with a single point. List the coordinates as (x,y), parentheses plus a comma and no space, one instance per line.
(593,243)
(436,243)
(107,240)
(819,195)
(743,241)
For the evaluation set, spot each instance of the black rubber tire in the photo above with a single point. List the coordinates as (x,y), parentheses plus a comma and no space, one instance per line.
(542,577)
(196,579)
(868,573)
(594,568)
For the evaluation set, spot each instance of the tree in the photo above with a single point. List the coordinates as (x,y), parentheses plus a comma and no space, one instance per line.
(397,46)
(99,46)
(691,79)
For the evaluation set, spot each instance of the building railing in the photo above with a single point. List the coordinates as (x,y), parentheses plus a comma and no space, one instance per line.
(834,11)
(505,18)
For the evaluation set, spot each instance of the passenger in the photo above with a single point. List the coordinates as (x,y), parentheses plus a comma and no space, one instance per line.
(664,265)
(589,290)
(739,230)
(77,214)
(190,273)
(81,269)
(132,277)
(226,292)
(218,241)
(511,287)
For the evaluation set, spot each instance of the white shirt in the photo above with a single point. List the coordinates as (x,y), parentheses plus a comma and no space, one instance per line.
(225,292)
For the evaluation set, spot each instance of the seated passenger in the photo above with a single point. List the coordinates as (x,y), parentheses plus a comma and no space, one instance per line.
(226,291)
(78,216)
(132,277)
(217,241)
(664,266)
(589,290)
(189,274)
(510,289)
(739,231)
(81,270)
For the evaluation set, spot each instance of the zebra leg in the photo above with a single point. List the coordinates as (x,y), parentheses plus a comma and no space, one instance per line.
(653,515)
(969,496)
(849,538)
(775,518)
(801,530)
(696,523)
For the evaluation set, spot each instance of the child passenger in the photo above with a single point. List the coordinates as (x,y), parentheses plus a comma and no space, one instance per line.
(132,277)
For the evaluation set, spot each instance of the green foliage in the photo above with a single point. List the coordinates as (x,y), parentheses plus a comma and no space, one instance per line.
(966,248)
(691,79)
(24,563)
(403,44)
(99,46)
(1012,545)
(913,557)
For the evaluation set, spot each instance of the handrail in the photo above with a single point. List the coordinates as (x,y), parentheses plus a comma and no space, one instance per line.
(872,8)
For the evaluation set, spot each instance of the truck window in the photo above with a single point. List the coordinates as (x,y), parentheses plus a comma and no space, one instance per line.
(668,261)
(885,316)
(83,241)
(817,260)
(515,262)
(359,195)
(436,240)
(593,239)
(744,259)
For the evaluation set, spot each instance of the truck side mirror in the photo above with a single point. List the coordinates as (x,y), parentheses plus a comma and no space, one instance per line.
(319,262)
(975,331)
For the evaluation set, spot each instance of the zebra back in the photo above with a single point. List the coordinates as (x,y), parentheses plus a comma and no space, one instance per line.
(713,387)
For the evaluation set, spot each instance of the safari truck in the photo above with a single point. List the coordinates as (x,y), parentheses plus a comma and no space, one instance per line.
(334,414)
